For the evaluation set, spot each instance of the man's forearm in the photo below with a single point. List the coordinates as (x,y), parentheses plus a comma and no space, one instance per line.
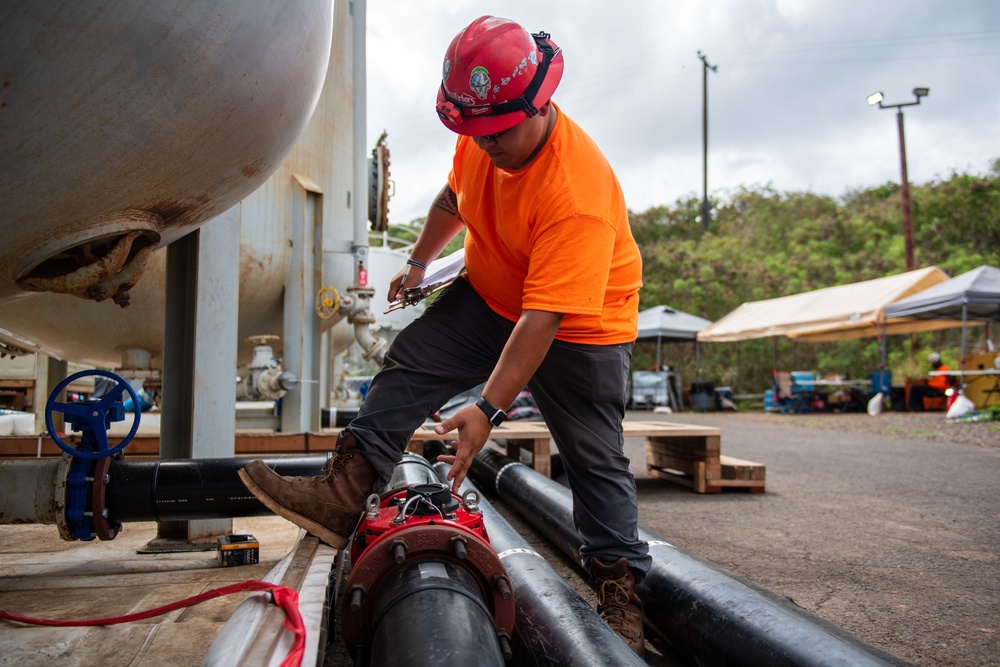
(443,223)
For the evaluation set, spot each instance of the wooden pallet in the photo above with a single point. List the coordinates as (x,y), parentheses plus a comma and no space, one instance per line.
(701,465)
(533,437)
(514,436)
(531,442)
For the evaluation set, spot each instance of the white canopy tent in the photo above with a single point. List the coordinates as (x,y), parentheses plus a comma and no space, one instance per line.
(832,313)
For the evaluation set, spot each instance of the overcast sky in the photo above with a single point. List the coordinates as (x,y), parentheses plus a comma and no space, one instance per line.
(786,106)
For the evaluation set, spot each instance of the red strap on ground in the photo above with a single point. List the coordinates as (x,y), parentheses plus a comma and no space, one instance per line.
(286,598)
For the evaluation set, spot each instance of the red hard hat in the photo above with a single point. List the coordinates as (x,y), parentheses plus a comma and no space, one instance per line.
(496,75)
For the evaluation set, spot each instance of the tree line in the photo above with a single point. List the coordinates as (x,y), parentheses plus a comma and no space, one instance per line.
(763,244)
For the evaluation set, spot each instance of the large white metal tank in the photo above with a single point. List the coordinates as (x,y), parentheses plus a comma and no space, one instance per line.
(99,334)
(126,124)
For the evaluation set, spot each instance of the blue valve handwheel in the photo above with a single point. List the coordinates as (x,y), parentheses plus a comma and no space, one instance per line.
(94,414)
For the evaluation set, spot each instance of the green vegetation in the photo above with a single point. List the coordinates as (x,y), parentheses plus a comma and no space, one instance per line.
(763,244)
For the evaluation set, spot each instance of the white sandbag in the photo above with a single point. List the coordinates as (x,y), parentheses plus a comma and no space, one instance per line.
(24,424)
(875,404)
(6,424)
(961,406)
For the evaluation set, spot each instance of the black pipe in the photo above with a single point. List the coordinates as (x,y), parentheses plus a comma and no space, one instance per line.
(428,611)
(432,613)
(704,612)
(554,625)
(190,489)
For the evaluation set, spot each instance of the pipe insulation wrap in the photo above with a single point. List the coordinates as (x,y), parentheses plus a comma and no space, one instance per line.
(701,610)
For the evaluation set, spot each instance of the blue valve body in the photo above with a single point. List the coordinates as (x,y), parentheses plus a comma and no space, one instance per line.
(92,418)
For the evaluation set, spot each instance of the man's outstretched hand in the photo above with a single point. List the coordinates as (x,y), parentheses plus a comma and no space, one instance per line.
(473,432)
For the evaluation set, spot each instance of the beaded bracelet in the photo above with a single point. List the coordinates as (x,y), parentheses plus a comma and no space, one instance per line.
(413,262)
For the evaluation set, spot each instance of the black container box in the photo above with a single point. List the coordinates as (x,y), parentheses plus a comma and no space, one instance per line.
(238,550)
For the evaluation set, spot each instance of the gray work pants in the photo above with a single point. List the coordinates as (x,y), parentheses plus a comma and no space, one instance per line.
(580,391)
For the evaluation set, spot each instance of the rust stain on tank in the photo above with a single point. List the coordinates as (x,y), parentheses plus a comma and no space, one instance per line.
(255,168)
(172,210)
(251,266)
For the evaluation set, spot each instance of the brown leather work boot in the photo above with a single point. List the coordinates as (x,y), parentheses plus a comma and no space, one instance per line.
(328,506)
(617,602)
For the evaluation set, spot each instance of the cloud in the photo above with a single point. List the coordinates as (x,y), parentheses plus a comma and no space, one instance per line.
(786,106)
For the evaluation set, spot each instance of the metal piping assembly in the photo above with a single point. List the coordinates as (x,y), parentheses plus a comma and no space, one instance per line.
(360,315)
(706,614)
(265,381)
(553,624)
(425,583)
(124,491)
(421,556)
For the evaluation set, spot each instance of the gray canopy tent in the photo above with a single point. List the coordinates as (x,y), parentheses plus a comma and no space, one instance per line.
(665,324)
(972,297)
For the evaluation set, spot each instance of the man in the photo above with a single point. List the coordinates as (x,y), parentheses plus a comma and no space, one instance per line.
(549,301)
(936,385)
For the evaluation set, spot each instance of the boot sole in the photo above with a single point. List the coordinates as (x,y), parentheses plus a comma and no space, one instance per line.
(325,534)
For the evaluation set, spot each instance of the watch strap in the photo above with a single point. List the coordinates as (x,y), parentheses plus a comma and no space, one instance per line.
(495,415)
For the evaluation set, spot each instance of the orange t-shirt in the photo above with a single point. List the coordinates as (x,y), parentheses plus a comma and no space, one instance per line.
(553,236)
(941,382)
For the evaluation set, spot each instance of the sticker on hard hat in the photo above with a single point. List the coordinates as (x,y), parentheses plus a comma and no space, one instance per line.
(479,81)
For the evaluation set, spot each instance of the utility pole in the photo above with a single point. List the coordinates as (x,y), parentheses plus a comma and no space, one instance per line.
(877,98)
(904,194)
(705,215)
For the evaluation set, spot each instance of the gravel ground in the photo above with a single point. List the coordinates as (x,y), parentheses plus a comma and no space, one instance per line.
(886,526)
(929,426)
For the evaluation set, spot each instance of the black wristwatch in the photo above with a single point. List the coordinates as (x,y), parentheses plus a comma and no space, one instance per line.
(495,415)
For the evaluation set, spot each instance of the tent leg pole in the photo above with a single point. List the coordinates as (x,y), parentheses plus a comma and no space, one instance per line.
(961,379)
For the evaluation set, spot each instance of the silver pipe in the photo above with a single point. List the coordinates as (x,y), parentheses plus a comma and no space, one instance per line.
(359,72)
(33,491)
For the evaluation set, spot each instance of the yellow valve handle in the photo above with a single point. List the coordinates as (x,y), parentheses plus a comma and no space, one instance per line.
(327,302)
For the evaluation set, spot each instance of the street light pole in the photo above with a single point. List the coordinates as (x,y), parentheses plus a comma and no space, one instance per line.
(705,214)
(905,195)
(877,98)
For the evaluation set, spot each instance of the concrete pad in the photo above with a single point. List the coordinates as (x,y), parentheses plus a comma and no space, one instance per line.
(46,577)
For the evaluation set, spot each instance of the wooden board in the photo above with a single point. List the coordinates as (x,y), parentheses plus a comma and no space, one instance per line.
(143,445)
(710,475)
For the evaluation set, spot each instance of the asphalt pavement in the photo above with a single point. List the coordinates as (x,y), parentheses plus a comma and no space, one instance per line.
(891,533)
